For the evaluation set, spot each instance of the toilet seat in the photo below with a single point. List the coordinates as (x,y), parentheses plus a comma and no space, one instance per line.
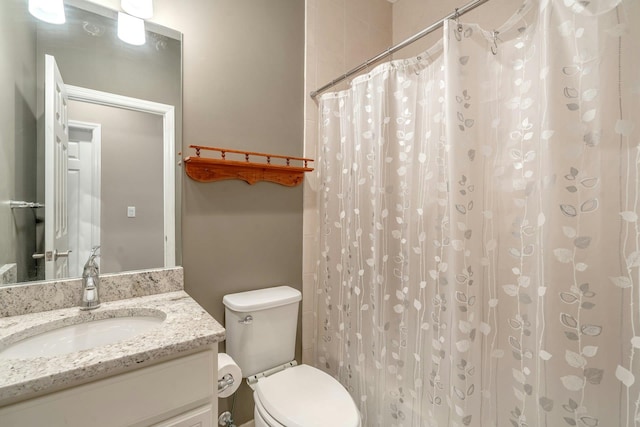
(303,396)
(262,418)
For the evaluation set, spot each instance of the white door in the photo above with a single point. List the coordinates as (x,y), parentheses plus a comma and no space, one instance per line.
(83,199)
(56,140)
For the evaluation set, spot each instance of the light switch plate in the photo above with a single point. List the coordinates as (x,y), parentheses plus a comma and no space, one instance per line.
(131,211)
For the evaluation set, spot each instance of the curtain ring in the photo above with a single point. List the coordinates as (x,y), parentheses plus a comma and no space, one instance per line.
(494,48)
(456,17)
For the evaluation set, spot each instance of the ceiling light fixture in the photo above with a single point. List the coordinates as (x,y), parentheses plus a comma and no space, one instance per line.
(51,11)
(138,8)
(131,29)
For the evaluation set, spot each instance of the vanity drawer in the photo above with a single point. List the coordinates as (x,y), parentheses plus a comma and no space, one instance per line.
(201,417)
(141,397)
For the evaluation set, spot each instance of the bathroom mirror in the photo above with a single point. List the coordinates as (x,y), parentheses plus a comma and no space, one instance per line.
(126,104)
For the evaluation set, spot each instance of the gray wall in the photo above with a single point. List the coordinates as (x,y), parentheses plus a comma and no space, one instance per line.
(131,168)
(243,89)
(243,71)
(17,137)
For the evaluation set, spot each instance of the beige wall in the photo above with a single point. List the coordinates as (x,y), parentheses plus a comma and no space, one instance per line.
(131,168)
(412,16)
(340,34)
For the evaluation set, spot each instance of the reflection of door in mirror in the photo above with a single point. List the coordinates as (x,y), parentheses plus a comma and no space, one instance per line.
(126,218)
(83,199)
(56,251)
(131,204)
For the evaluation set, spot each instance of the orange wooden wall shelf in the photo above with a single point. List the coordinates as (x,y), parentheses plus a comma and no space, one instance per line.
(203,169)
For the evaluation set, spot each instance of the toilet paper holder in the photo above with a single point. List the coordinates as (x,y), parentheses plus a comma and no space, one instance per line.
(229,376)
(225,382)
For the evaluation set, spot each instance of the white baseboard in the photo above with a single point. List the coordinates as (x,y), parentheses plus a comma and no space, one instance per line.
(248,424)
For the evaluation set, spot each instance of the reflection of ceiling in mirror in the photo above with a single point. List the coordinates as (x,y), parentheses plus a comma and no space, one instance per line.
(83,23)
(90,54)
(92,29)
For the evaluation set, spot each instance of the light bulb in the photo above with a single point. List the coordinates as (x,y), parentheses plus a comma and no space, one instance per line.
(131,29)
(139,8)
(51,11)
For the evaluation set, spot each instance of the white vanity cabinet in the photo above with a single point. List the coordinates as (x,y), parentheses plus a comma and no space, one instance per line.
(176,393)
(200,417)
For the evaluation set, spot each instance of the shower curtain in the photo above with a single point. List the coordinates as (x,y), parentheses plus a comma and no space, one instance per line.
(479,252)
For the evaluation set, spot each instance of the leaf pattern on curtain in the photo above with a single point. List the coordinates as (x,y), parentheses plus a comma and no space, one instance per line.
(480,245)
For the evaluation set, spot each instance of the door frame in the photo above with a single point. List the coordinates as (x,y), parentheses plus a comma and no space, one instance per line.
(167,112)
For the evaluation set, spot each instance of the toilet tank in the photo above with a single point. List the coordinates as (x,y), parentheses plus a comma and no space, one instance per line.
(266,339)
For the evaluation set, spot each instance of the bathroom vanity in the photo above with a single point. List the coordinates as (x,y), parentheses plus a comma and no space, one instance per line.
(164,375)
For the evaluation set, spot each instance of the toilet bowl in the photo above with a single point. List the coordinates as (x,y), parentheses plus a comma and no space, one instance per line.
(261,332)
(303,396)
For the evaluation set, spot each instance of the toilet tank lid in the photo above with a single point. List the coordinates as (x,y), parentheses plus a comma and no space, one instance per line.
(262,298)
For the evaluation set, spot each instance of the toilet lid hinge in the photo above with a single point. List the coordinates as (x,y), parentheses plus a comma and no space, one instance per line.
(253,379)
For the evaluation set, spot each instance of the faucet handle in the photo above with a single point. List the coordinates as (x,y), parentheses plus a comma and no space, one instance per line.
(57,254)
(91,261)
(90,282)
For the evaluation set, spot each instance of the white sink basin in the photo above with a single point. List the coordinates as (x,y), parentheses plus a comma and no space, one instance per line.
(82,336)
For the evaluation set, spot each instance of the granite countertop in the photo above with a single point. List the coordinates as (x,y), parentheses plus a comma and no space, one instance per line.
(186,327)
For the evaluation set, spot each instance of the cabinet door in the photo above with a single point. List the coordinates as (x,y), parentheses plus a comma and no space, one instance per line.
(200,417)
(137,398)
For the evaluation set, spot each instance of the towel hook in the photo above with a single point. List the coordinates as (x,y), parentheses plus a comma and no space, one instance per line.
(494,48)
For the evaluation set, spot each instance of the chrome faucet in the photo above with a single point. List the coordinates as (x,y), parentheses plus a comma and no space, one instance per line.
(90,282)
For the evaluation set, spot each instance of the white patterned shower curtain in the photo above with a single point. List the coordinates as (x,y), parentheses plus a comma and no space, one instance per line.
(480,241)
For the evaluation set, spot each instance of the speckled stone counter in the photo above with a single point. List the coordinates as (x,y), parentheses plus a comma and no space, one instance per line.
(31,297)
(186,327)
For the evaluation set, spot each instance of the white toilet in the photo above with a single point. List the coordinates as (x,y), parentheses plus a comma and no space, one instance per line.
(261,334)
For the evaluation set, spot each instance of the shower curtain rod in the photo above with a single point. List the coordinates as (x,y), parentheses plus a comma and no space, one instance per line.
(390,51)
